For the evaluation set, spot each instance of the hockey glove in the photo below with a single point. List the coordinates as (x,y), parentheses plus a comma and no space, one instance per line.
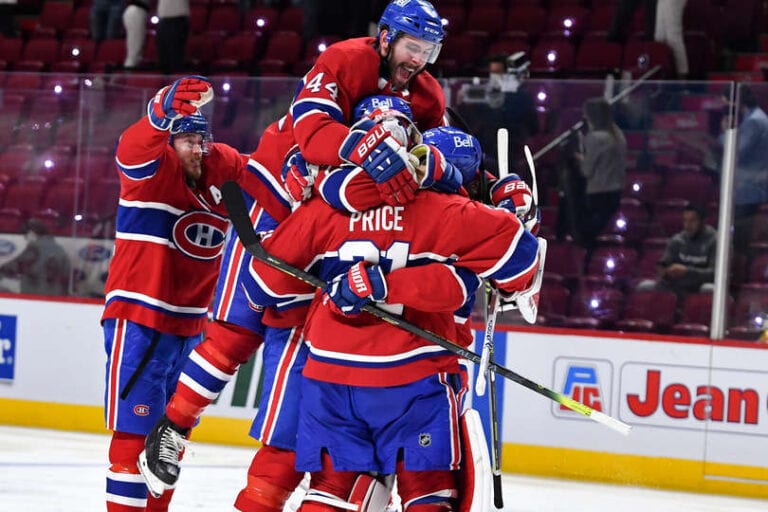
(372,146)
(297,178)
(513,194)
(440,174)
(360,285)
(182,98)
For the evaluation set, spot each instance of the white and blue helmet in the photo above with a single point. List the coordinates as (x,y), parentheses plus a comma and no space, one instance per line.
(459,148)
(417,18)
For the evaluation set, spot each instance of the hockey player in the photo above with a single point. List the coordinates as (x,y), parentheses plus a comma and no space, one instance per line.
(230,340)
(410,36)
(170,232)
(377,256)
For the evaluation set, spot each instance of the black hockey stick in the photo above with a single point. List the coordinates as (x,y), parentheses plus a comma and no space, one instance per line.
(238,214)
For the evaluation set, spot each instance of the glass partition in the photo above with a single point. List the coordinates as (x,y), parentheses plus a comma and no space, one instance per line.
(58,134)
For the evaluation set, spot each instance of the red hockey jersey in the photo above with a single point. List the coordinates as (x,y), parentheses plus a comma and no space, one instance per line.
(419,246)
(169,236)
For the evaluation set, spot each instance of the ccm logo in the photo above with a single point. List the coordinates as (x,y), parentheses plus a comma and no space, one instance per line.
(141,410)
(372,140)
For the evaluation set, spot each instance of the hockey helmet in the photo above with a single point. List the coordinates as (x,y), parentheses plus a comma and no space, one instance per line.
(367,106)
(417,18)
(459,148)
(389,109)
(193,123)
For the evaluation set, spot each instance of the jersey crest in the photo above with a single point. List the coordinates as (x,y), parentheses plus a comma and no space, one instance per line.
(200,234)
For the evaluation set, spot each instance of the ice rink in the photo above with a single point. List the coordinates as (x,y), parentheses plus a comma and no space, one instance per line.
(55,471)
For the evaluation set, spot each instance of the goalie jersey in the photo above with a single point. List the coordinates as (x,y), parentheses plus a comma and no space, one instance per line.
(169,235)
(420,247)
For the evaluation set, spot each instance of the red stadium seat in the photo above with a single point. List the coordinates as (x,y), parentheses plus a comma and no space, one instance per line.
(569,21)
(11,220)
(318,45)
(224,17)
(530,19)
(262,19)
(102,197)
(110,52)
(26,195)
(758,269)
(604,305)
(10,49)
(697,308)
(291,19)
(486,18)
(56,15)
(645,186)
(630,222)
(66,197)
(554,302)
(552,58)
(617,264)
(751,307)
(566,259)
(657,306)
(16,160)
(285,46)
(688,185)
(642,56)
(198,18)
(596,58)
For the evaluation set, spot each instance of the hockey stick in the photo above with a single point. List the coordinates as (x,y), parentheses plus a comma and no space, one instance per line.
(238,214)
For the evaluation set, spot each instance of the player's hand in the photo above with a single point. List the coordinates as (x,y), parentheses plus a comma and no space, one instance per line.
(400,189)
(439,174)
(182,98)
(297,178)
(513,194)
(372,146)
(360,285)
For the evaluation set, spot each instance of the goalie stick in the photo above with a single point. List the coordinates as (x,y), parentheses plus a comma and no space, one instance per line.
(241,221)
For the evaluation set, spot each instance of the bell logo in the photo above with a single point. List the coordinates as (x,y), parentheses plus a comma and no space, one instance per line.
(586,381)
(462,142)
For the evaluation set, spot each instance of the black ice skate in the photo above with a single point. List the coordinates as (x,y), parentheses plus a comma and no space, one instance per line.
(159,462)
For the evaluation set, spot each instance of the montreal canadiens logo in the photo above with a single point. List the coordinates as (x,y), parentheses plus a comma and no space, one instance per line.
(141,410)
(200,235)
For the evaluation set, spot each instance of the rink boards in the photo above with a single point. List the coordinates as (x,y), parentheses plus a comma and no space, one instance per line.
(699,411)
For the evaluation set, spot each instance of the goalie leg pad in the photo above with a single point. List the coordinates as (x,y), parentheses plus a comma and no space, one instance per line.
(271,480)
(427,491)
(476,478)
(326,488)
(528,299)
(371,493)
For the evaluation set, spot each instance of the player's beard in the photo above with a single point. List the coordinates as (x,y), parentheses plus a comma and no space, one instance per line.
(193,169)
(401,76)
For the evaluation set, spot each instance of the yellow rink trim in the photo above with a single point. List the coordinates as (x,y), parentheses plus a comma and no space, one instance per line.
(657,472)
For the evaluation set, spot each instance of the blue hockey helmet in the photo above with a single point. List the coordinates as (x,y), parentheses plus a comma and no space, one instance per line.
(370,104)
(459,148)
(383,109)
(417,18)
(193,123)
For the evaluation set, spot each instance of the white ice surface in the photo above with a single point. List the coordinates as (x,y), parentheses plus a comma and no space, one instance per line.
(56,471)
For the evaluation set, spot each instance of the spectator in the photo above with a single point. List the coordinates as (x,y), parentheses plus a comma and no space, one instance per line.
(625,10)
(135,22)
(172,32)
(43,266)
(105,19)
(503,102)
(669,30)
(602,163)
(688,263)
(751,180)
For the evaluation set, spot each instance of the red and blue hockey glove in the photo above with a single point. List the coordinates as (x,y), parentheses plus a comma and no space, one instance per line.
(297,177)
(182,98)
(440,174)
(513,194)
(359,286)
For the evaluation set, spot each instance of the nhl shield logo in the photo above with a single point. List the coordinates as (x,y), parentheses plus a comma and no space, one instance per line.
(425,439)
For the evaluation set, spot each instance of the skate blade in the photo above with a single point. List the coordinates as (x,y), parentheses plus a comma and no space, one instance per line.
(155,486)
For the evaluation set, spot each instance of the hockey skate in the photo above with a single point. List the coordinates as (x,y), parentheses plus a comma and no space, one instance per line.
(159,461)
